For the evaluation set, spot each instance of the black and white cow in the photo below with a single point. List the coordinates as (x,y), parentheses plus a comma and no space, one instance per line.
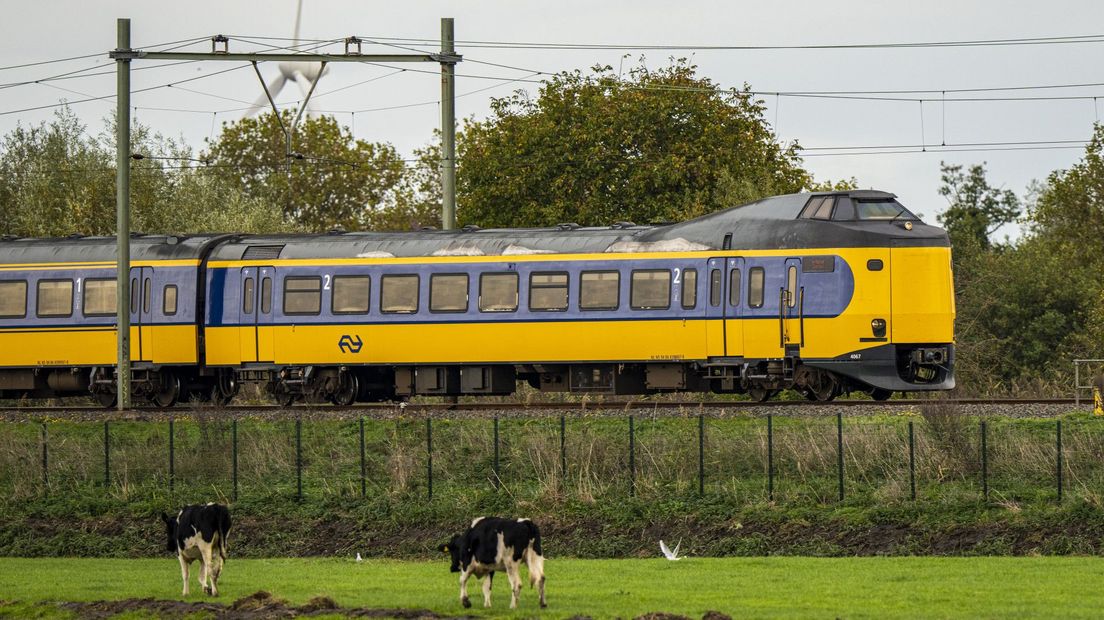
(492,544)
(199,533)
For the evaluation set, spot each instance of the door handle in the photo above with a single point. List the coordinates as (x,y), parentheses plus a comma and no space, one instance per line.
(801,313)
(782,317)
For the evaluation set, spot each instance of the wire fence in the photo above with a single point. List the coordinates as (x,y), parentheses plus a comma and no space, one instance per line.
(791,459)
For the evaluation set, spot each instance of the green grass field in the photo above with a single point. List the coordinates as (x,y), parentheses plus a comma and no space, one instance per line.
(742,587)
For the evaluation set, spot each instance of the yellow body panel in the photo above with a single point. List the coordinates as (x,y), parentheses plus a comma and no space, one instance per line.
(923,295)
(94,346)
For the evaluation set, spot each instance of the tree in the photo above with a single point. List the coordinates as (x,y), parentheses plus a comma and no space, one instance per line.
(330,179)
(1069,208)
(416,201)
(976,209)
(593,149)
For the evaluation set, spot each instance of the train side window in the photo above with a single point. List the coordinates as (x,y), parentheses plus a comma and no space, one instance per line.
(448,292)
(599,290)
(248,295)
(399,294)
(734,287)
(791,286)
(498,292)
(351,294)
(548,291)
(55,298)
(874,264)
(756,276)
(168,305)
(824,211)
(99,297)
(715,287)
(812,207)
(302,295)
(134,295)
(146,294)
(650,289)
(266,295)
(13,299)
(689,289)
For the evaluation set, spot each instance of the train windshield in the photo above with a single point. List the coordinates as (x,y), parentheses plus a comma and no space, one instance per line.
(882,210)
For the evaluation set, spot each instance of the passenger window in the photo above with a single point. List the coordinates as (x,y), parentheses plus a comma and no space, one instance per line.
(266,295)
(498,292)
(399,294)
(100,297)
(168,306)
(134,295)
(791,286)
(146,296)
(756,275)
(248,295)
(351,294)
(303,295)
(651,289)
(689,289)
(715,287)
(448,292)
(734,287)
(548,292)
(599,290)
(55,297)
(13,299)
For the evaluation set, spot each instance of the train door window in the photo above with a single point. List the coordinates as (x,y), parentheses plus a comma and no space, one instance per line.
(651,289)
(399,294)
(756,276)
(302,295)
(548,292)
(248,295)
(266,295)
(134,295)
(168,297)
(689,289)
(13,299)
(100,297)
(734,287)
(351,294)
(146,296)
(599,290)
(791,286)
(715,287)
(448,292)
(55,298)
(498,292)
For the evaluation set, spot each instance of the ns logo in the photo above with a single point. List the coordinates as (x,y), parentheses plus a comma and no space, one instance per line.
(350,344)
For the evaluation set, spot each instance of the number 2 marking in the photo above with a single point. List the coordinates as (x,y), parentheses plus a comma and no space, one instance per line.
(678,272)
(326,280)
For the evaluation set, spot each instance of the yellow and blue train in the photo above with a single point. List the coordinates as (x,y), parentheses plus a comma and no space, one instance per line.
(822,293)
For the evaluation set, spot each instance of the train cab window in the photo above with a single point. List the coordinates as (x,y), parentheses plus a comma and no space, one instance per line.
(13,299)
(548,292)
(351,294)
(134,295)
(651,289)
(302,295)
(734,287)
(715,287)
(498,292)
(689,289)
(882,210)
(599,290)
(100,297)
(266,295)
(819,208)
(249,294)
(399,294)
(168,297)
(791,286)
(146,296)
(55,297)
(448,292)
(756,276)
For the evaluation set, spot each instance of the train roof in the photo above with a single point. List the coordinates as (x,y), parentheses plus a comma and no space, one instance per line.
(81,249)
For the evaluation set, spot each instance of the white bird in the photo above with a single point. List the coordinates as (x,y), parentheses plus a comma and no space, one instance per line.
(359,559)
(304,74)
(671,555)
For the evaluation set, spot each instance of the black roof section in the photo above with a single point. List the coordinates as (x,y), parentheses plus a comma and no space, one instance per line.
(80,249)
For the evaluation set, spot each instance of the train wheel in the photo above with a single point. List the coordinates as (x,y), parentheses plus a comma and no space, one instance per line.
(761,395)
(106,399)
(347,394)
(224,390)
(880,394)
(169,392)
(822,387)
(285,399)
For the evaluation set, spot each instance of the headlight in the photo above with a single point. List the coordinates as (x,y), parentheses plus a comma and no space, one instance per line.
(878,326)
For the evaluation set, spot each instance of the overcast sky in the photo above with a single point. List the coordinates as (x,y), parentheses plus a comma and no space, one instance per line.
(58,29)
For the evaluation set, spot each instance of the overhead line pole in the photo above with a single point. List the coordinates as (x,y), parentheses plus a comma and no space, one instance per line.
(123,55)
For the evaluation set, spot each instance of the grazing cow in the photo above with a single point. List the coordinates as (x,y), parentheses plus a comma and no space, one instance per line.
(492,544)
(199,533)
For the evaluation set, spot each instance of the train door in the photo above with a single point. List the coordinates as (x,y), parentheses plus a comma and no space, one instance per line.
(141,314)
(734,325)
(715,307)
(791,312)
(255,314)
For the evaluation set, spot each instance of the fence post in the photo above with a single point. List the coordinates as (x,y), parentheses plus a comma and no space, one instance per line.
(839,451)
(701,454)
(429,458)
(494,468)
(770,457)
(363,463)
(234,438)
(632,457)
(912,462)
(172,457)
(299,458)
(984,461)
(107,455)
(45,459)
(1059,451)
(563,452)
